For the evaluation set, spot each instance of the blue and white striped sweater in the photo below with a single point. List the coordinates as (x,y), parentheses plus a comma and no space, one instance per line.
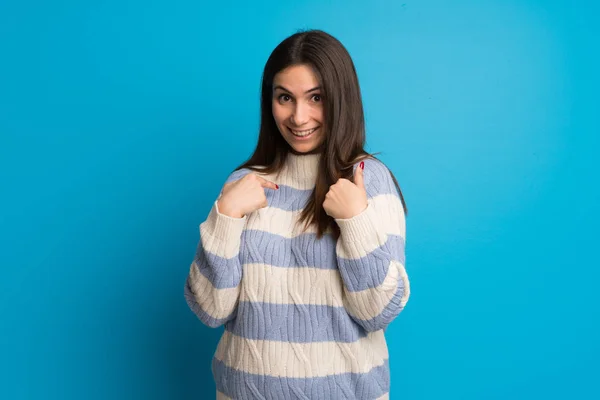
(304,318)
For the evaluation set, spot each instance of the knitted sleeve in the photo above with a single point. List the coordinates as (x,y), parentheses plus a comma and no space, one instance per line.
(213,285)
(370,253)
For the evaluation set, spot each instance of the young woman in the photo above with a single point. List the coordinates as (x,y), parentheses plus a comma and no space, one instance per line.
(301,257)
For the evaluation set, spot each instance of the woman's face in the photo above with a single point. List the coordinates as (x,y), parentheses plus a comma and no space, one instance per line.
(298,108)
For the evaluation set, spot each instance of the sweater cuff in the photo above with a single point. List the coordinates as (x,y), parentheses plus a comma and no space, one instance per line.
(222,226)
(361,227)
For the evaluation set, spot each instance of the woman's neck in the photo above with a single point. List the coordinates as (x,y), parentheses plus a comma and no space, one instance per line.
(317,150)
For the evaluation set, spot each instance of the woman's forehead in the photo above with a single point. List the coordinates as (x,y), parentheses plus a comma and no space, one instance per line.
(299,78)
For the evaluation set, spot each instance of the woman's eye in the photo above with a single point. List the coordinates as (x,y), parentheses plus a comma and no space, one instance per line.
(283,98)
(317,97)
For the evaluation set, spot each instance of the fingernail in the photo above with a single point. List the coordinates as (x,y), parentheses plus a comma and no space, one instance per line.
(277,186)
(362,165)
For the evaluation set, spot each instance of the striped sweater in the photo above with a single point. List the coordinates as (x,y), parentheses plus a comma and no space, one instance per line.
(304,317)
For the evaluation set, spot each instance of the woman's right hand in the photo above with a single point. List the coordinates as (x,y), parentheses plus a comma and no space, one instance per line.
(241,197)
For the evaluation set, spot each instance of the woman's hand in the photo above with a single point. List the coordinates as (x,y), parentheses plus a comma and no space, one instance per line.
(346,199)
(241,197)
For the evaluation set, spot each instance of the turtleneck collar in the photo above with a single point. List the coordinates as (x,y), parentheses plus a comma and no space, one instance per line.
(300,170)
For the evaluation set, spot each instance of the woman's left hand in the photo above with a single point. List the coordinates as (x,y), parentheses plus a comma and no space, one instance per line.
(345,199)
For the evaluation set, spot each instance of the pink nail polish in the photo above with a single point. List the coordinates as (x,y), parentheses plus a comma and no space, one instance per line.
(362,165)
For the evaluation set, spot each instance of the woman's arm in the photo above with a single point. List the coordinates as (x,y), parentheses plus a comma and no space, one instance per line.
(212,288)
(370,253)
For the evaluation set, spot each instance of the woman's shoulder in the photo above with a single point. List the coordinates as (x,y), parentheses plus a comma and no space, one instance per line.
(237,174)
(373,166)
(377,176)
(241,172)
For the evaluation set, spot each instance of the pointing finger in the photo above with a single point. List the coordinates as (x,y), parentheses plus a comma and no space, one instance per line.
(267,184)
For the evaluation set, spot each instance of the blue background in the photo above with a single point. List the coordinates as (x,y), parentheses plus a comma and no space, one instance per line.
(120,120)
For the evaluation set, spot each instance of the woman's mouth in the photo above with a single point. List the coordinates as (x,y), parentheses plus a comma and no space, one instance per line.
(304,134)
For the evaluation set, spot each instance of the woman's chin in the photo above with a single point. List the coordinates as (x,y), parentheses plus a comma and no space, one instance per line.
(304,148)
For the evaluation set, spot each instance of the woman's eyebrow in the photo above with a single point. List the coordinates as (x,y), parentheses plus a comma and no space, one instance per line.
(285,90)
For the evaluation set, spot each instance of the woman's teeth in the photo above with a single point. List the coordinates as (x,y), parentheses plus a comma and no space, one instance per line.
(303,133)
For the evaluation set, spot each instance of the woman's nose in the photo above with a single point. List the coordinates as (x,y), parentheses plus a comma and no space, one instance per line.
(300,115)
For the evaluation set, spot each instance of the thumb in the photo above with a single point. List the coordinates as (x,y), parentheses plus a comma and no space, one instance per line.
(359,176)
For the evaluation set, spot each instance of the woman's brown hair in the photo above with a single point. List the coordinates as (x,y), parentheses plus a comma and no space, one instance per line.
(344,124)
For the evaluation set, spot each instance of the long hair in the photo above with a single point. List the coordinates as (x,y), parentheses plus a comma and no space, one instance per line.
(344,124)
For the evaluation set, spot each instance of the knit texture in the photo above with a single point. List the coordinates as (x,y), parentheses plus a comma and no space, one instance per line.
(304,317)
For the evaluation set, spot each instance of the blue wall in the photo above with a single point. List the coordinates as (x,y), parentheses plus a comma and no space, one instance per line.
(120,120)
